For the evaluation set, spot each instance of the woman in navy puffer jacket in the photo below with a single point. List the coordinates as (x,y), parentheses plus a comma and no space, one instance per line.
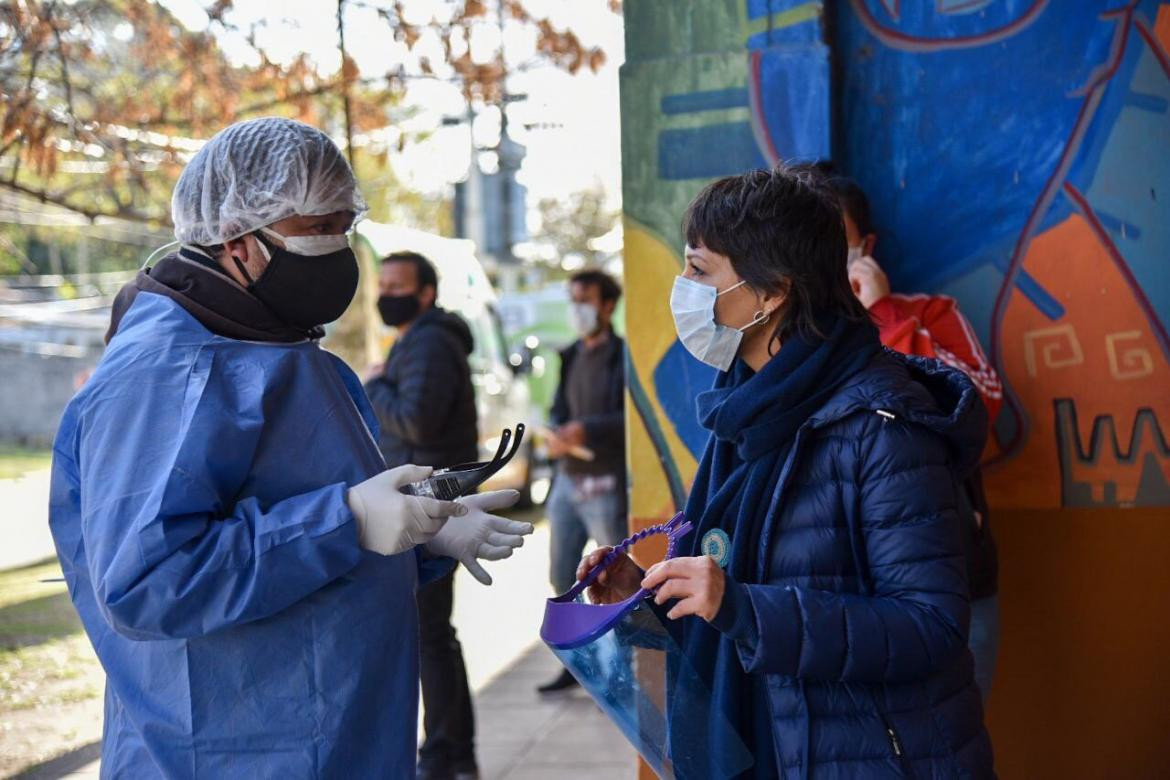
(824,600)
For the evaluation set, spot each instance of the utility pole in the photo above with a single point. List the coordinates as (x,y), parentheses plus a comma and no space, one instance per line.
(486,204)
(502,152)
(345,82)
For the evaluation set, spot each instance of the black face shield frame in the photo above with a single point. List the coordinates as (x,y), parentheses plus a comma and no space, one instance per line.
(454,481)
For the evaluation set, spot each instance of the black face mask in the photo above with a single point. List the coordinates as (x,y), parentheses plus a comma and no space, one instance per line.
(398,309)
(303,290)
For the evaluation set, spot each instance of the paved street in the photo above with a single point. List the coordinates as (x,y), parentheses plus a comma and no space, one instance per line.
(24,516)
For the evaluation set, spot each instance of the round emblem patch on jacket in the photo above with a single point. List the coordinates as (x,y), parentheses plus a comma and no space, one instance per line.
(717,544)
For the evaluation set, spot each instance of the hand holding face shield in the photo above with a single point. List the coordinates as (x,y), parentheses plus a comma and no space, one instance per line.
(477,535)
(627,657)
(390,521)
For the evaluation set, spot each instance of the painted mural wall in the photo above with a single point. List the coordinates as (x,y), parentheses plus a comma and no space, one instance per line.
(708,89)
(1017,156)
(1017,153)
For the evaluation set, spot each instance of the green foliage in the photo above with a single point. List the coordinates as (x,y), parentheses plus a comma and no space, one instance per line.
(17,461)
(571,223)
(45,658)
(392,202)
(44,249)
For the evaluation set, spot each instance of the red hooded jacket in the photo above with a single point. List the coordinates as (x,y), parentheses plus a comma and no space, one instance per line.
(931,326)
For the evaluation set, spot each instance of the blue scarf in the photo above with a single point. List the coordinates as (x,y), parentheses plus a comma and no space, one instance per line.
(753,419)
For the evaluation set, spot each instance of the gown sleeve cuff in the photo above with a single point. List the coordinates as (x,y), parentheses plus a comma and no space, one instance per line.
(432,567)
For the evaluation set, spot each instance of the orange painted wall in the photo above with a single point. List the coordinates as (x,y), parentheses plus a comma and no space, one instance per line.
(1083,686)
(1100,362)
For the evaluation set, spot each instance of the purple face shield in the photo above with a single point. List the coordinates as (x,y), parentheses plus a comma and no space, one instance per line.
(627,658)
(570,622)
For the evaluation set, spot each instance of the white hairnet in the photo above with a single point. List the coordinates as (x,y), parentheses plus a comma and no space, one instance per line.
(256,172)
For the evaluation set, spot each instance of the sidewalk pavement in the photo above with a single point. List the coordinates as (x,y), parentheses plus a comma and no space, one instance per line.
(519,734)
(523,737)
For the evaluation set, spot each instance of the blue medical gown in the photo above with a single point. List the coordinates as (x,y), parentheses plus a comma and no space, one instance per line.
(198,509)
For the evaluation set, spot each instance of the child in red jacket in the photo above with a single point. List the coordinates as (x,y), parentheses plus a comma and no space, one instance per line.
(926,325)
(932,326)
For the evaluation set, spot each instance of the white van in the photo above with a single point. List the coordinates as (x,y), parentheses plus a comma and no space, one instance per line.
(501,390)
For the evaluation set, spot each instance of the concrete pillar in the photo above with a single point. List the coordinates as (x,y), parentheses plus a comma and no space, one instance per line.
(709,88)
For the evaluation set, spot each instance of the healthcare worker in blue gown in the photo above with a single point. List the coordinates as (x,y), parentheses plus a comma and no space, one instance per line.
(240,556)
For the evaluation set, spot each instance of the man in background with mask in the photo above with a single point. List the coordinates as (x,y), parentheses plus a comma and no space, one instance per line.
(588,497)
(425,404)
(240,557)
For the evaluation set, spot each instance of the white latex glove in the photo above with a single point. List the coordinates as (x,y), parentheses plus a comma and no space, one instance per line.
(481,535)
(391,522)
(868,280)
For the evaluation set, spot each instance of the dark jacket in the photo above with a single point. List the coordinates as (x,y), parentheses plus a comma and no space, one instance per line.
(856,618)
(424,397)
(208,294)
(605,433)
(978,541)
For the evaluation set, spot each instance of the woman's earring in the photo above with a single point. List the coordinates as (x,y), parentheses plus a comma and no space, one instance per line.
(759,318)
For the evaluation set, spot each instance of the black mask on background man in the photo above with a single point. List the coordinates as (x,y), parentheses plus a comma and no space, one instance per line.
(398,309)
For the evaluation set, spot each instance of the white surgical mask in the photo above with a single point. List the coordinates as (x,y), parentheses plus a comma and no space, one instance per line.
(693,306)
(583,318)
(308,246)
(855,253)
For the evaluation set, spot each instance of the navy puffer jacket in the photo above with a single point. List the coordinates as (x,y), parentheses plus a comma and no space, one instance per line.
(859,604)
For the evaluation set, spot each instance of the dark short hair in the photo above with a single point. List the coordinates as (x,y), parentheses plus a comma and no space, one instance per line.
(610,289)
(852,197)
(783,233)
(427,276)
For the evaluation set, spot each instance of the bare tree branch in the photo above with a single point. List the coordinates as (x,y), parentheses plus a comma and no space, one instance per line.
(26,96)
(346,66)
(128,103)
(122,212)
(64,64)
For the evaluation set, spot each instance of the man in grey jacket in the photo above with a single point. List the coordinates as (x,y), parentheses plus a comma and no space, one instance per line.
(588,498)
